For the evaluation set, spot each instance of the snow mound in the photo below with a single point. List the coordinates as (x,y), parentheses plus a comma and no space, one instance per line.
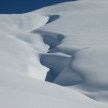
(64,44)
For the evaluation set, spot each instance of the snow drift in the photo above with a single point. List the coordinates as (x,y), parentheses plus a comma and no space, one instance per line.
(64,44)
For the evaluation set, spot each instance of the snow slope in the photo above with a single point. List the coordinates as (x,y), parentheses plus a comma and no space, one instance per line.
(65,44)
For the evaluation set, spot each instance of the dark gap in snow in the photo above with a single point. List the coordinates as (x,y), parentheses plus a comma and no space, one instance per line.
(60,71)
(52,18)
(51,39)
(50,76)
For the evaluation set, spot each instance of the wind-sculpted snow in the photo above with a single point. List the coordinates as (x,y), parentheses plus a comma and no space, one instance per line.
(55,57)
(21,22)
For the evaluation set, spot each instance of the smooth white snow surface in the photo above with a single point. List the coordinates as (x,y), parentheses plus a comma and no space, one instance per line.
(65,44)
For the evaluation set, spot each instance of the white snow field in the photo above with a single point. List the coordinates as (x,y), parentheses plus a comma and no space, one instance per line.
(55,57)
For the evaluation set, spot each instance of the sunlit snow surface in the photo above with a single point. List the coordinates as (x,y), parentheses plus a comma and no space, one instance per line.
(65,44)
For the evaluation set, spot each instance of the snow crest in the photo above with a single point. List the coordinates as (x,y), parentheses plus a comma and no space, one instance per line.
(55,57)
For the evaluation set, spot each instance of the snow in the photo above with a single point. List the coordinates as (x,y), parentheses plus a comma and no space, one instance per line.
(55,57)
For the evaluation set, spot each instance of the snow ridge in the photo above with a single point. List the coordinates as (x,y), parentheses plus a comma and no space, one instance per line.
(66,45)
